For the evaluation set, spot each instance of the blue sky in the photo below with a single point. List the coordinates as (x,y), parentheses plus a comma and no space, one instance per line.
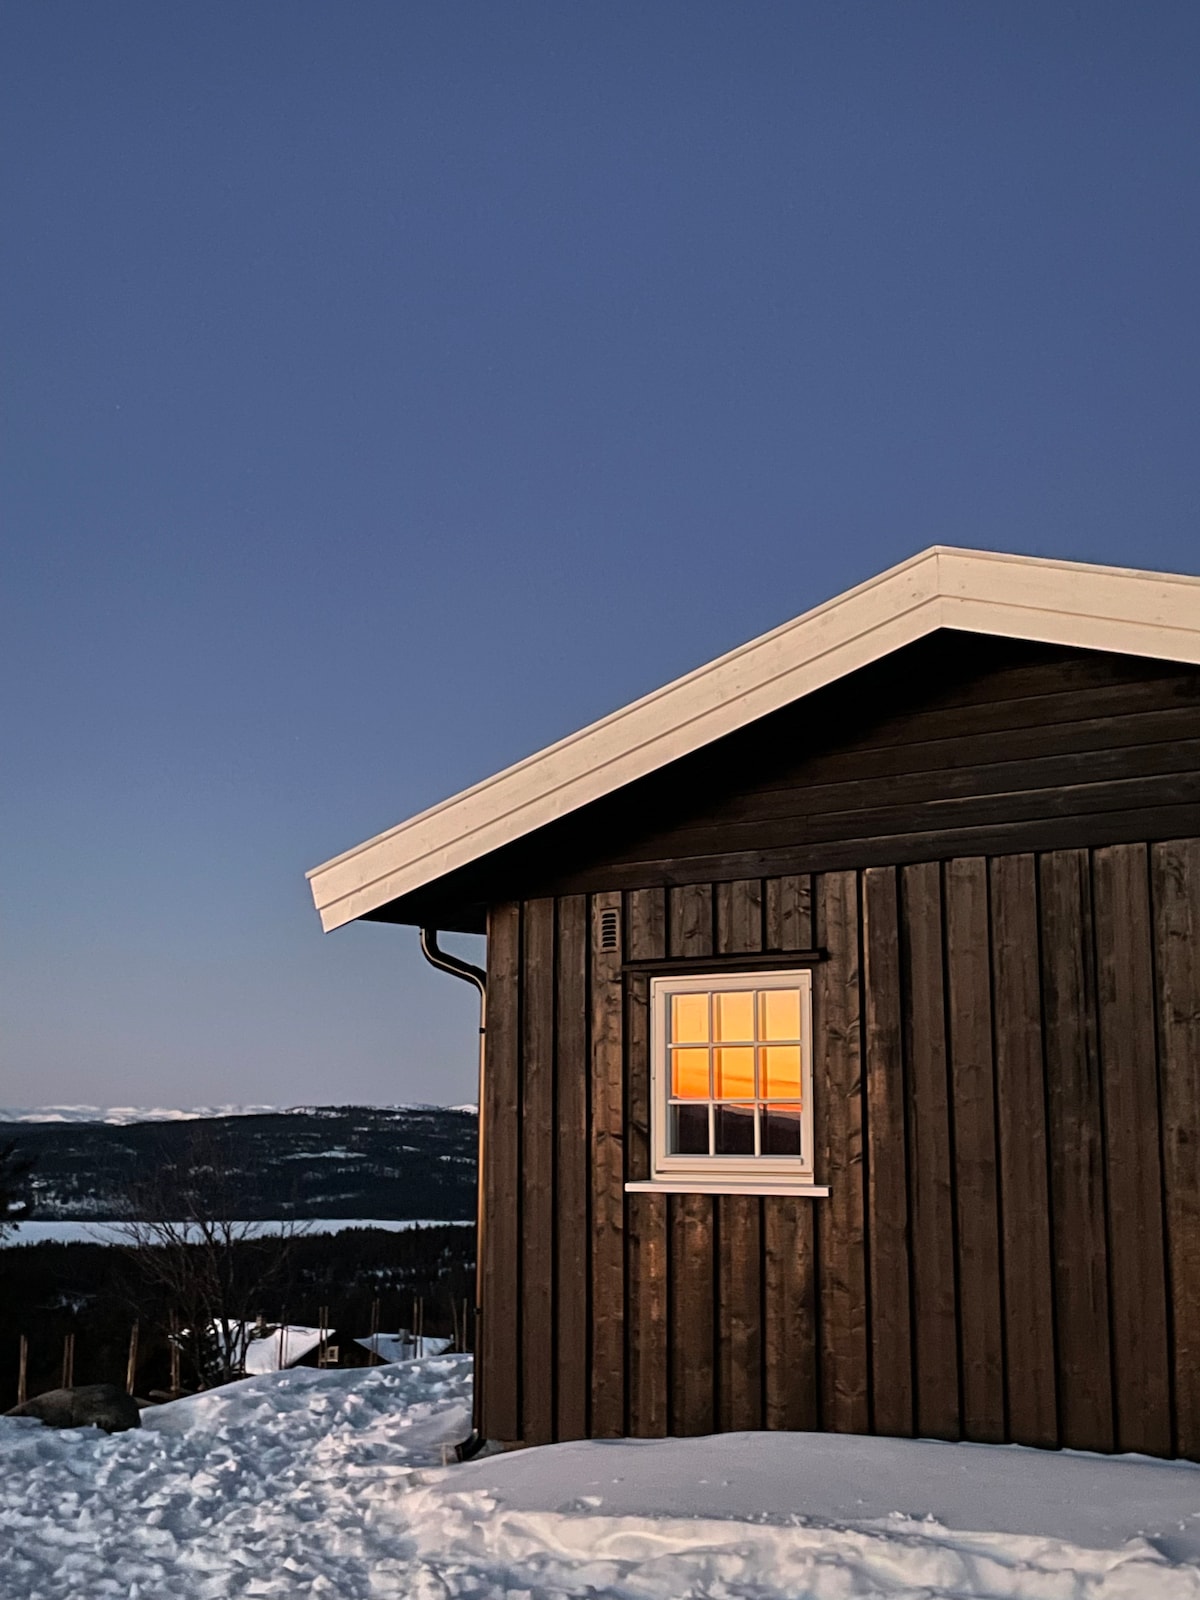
(392,388)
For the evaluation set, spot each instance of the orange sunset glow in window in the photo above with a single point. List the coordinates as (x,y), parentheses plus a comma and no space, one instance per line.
(735,1069)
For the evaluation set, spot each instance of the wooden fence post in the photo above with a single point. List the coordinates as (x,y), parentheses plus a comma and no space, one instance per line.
(173,1342)
(131,1363)
(68,1360)
(23,1372)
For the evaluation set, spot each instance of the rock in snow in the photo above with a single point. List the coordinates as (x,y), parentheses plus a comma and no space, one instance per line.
(90,1405)
(330,1484)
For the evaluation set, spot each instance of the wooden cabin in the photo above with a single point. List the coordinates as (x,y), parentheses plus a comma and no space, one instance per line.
(843,1025)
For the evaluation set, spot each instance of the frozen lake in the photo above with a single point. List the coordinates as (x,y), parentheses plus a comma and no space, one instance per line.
(113,1232)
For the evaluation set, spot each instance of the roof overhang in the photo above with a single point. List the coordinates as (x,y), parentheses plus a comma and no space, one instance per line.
(1021,597)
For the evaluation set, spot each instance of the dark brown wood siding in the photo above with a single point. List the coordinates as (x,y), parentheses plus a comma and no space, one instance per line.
(1007,1102)
(961,745)
(996,844)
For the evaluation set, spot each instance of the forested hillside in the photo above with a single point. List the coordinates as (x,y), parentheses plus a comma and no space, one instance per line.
(389,1162)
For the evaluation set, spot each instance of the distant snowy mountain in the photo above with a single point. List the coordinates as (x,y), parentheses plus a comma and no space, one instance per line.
(123,1116)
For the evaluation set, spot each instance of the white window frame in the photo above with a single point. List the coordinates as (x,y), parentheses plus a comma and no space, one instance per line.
(720,1174)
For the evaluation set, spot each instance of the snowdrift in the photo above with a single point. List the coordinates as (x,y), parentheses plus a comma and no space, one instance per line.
(331,1484)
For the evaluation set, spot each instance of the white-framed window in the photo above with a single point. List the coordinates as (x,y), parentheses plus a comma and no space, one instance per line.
(731,1082)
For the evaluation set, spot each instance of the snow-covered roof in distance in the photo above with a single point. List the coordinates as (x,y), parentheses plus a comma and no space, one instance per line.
(279,1348)
(1020,597)
(403,1346)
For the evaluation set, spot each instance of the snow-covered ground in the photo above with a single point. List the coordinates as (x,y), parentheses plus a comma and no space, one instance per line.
(330,1484)
(113,1232)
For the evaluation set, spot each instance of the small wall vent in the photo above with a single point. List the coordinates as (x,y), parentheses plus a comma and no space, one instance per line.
(610,930)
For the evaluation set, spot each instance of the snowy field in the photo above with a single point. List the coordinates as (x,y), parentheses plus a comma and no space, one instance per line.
(116,1232)
(331,1484)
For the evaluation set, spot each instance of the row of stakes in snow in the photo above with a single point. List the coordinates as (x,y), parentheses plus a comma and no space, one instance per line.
(263,1347)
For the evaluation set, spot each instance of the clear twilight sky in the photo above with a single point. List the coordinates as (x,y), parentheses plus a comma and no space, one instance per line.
(391,389)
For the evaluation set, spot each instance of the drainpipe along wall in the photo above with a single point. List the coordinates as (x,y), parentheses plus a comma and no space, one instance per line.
(475,1440)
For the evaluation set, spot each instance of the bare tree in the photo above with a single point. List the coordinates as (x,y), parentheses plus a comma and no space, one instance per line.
(209,1267)
(14,1187)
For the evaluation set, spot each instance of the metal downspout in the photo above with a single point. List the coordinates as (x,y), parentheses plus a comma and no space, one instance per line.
(475,1440)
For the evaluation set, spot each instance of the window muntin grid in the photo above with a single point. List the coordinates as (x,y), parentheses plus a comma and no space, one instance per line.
(733,1068)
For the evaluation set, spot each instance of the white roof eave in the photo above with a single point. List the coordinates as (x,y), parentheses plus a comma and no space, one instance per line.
(1022,597)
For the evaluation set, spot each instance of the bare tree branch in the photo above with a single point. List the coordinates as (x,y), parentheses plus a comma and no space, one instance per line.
(14,1187)
(211,1267)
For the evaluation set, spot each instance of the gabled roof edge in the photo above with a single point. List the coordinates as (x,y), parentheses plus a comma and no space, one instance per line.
(1057,602)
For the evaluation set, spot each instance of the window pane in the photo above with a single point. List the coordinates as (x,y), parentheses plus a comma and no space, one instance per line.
(689,1019)
(689,1074)
(735,1130)
(781,1128)
(734,1074)
(779,1014)
(733,1016)
(689,1131)
(780,1067)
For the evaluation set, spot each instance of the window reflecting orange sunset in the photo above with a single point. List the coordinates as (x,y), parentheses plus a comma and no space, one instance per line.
(689,1074)
(779,1072)
(689,1019)
(733,1017)
(733,1074)
(728,1045)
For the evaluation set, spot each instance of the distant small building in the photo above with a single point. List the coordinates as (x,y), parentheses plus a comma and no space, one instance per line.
(274,1348)
(402,1346)
(277,1348)
(843,1025)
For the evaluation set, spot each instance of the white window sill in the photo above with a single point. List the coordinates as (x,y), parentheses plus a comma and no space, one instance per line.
(814,1191)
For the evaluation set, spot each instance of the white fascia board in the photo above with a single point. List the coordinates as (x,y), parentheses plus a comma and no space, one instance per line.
(1070,603)
(1055,602)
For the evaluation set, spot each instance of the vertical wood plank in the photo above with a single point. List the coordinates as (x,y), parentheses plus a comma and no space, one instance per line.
(790,1397)
(1136,1226)
(887,1174)
(1175,868)
(691,920)
(739,1216)
(646,939)
(1024,1181)
(691,1249)
(739,917)
(739,1386)
(1076,1152)
(929,1157)
(572,1168)
(980,1318)
(838,1111)
(501,1321)
(787,913)
(537,1172)
(608,1182)
(790,1393)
